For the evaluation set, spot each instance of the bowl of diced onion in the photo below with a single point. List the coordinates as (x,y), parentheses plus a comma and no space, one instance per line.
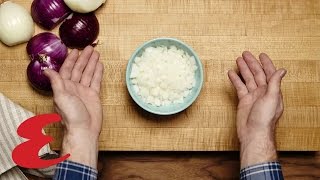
(164,76)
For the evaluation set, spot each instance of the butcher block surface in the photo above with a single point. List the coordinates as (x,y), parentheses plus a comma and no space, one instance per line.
(289,31)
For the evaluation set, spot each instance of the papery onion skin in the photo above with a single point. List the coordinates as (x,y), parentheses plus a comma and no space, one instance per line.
(84,6)
(49,13)
(47,44)
(16,25)
(35,72)
(79,30)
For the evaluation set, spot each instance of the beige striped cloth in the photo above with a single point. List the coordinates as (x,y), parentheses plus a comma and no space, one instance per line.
(11,116)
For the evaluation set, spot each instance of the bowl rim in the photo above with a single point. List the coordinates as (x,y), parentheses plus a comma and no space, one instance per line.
(187,104)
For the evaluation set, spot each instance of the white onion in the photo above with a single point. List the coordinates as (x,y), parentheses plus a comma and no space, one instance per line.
(16,25)
(163,76)
(84,6)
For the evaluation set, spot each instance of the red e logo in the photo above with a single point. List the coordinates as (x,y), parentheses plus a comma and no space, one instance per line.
(26,154)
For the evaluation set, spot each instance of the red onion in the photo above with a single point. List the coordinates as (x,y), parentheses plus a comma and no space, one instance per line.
(35,72)
(79,30)
(47,44)
(49,13)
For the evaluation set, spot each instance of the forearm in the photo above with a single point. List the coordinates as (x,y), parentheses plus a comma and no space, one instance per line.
(258,149)
(82,147)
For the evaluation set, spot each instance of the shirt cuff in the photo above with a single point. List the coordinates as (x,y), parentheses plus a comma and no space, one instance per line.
(270,170)
(71,170)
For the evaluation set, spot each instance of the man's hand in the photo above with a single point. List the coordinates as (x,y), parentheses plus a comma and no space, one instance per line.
(76,91)
(260,106)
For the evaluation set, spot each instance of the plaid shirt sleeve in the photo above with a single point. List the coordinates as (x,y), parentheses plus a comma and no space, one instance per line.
(266,171)
(68,170)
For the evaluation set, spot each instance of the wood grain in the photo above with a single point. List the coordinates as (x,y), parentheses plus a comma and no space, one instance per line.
(196,165)
(289,31)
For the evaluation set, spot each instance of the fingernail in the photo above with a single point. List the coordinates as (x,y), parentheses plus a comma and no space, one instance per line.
(283,73)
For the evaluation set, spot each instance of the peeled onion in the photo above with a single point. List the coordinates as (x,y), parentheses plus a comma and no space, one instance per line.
(49,13)
(35,72)
(79,30)
(47,44)
(16,25)
(84,6)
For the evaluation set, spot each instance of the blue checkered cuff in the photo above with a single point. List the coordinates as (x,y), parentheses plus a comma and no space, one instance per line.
(68,170)
(266,171)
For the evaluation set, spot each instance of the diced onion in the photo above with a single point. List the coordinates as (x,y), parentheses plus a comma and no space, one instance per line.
(163,76)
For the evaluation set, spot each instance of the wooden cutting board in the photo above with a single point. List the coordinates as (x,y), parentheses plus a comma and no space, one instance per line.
(289,31)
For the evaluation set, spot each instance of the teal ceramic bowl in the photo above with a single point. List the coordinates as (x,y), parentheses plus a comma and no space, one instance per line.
(174,108)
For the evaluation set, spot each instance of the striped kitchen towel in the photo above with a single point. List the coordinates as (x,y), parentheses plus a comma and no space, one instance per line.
(11,116)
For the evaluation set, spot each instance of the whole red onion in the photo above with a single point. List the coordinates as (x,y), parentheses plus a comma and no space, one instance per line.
(35,72)
(47,44)
(49,13)
(79,30)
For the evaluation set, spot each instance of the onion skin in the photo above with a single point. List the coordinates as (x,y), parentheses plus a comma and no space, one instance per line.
(47,44)
(35,72)
(49,13)
(79,30)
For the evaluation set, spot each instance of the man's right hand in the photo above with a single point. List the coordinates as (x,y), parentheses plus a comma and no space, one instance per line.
(76,90)
(260,106)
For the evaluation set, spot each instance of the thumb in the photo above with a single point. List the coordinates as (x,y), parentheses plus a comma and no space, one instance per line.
(275,82)
(55,80)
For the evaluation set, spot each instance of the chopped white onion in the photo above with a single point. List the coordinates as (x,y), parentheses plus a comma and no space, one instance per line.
(163,76)
(84,6)
(16,24)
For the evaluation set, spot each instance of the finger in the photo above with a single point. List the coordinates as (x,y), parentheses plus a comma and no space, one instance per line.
(97,77)
(255,68)
(81,64)
(89,70)
(55,80)
(275,83)
(267,65)
(67,66)
(280,107)
(238,84)
(246,74)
